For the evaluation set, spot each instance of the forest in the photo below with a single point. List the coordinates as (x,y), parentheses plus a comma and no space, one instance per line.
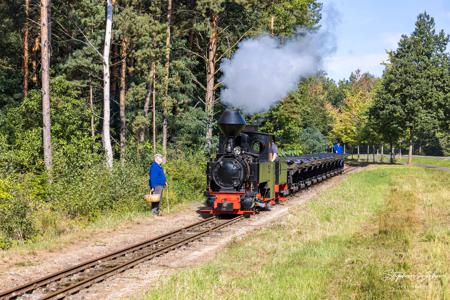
(90,90)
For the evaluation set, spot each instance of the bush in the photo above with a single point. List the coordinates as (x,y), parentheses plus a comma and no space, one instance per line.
(97,190)
(30,207)
(15,215)
(186,177)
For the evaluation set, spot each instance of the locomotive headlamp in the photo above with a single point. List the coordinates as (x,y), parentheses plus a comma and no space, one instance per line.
(237,150)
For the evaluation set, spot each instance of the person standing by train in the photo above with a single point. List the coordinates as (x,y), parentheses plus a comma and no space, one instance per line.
(338,149)
(157,181)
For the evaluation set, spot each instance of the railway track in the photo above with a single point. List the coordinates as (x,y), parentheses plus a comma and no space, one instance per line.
(74,279)
(349,169)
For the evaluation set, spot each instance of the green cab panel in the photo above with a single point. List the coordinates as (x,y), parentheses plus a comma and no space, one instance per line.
(283,172)
(267,174)
(264,172)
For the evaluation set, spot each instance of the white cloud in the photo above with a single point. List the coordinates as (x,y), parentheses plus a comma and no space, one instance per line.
(340,66)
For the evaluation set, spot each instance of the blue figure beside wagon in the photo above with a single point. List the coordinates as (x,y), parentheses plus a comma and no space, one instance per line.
(338,149)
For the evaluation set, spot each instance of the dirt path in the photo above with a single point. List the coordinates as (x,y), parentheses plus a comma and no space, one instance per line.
(133,282)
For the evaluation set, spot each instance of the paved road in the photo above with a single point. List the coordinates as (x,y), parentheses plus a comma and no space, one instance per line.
(433,167)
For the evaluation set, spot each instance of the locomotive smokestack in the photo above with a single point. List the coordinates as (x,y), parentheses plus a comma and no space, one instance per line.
(231,123)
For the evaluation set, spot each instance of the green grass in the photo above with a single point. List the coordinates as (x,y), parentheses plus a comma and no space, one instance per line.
(416,160)
(381,234)
(427,161)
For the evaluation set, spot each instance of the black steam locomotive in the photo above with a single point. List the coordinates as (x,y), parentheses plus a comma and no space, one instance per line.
(246,175)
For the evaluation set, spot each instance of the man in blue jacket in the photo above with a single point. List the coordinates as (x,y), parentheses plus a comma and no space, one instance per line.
(338,149)
(157,181)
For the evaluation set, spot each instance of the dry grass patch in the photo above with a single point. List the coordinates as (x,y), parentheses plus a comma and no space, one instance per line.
(396,255)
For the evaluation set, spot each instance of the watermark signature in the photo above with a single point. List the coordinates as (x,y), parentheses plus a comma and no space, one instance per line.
(418,280)
(397,276)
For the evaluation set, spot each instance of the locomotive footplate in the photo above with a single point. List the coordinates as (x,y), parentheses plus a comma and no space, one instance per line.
(220,212)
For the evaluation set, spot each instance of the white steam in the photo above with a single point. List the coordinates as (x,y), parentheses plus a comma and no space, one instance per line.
(264,70)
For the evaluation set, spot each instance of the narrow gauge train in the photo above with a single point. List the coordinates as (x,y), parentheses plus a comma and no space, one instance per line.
(243,179)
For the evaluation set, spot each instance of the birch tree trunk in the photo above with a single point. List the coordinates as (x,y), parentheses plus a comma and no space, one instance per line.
(391,154)
(122,99)
(145,129)
(368,152)
(91,108)
(272,24)
(45,62)
(210,80)
(410,150)
(154,112)
(25,49)
(357,148)
(382,152)
(106,86)
(373,153)
(166,105)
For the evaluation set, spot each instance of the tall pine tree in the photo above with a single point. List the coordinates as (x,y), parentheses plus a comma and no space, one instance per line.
(414,89)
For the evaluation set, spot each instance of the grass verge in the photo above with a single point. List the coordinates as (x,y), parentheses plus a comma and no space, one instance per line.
(427,161)
(381,234)
(434,161)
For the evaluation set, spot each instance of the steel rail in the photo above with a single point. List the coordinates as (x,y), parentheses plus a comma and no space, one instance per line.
(349,169)
(131,263)
(44,281)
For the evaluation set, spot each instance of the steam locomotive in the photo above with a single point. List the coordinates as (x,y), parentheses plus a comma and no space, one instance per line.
(245,178)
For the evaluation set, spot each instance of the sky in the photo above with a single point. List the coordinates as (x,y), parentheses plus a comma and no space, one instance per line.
(367,28)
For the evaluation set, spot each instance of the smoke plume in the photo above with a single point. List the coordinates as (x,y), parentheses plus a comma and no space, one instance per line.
(265,69)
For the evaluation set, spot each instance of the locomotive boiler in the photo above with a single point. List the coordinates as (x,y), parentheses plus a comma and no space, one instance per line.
(245,177)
